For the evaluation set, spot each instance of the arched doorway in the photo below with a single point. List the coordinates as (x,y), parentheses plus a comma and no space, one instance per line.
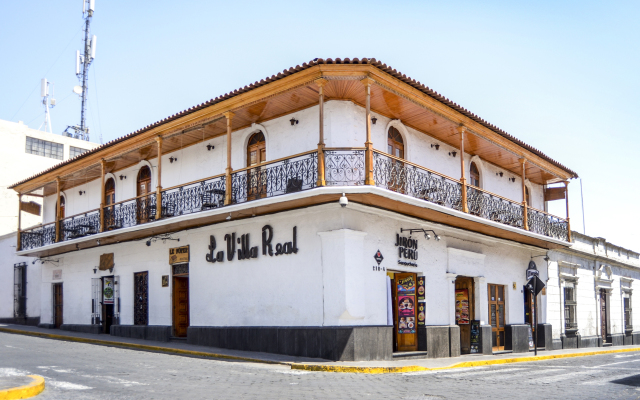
(395,144)
(474,175)
(395,147)
(143,188)
(256,155)
(62,206)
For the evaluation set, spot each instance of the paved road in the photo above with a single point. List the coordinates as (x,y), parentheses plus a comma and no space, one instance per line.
(84,371)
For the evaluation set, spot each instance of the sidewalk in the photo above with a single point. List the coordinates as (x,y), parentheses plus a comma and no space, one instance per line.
(310,364)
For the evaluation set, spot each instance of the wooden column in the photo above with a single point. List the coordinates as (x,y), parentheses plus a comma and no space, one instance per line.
(19,244)
(368,145)
(566,197)
(463,179)
(321,177)
(525,216)
(159,186)
(227,197)
(57,238)
(102,173)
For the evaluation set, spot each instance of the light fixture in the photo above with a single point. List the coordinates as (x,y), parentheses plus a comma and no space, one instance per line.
(425,231)
(343,201)
(210,147)
(95,270)
(148,242)
(512,179)
(453,153)
(172,159)
(293,121)
(122,177)
(437,146)
(373,120)
(98,241)
(163,237)
(81,192)
(228,217)
(500,173)
(111,270)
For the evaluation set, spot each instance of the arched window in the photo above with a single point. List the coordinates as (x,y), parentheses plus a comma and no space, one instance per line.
(62,201)
(256,150)
(395,144)
(109,192)
(146,208)
(144,181)
(527,196)
(474,175)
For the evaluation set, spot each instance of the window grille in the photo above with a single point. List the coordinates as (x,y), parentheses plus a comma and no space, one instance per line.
(570,321)
(627,312)
(20,290)
(44,148)
(75,151)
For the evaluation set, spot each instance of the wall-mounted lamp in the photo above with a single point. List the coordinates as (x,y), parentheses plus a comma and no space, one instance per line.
(293,121)
(437,146)
(111,270)
(453,153)
(210,147)
(512,179)
(172,159)
(228,217)
(98,241)
(81,192)
(373,120)
(500,174)
(95,270)
(122,177)
(425,231)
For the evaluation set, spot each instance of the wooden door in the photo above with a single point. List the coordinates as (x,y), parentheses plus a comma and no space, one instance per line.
(404,311)
(496,314)
(256,155)
(143,189)
(180,306)
(465,311)
(603,314)
(57,305)
(62,204)
(395,147)
(141,298)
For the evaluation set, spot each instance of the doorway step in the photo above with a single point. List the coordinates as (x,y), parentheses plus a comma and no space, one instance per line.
(178,339)
(409,355)
(503,352)
(607,344)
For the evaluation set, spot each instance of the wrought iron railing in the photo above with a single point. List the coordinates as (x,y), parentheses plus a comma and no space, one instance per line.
(493,207)
(38,236)
(193,197)
(124,214)
(344,167)
(80,225)
(277,177)
(548,225)
(403,177)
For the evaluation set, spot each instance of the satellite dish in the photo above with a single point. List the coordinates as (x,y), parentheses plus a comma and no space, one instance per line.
(77,90)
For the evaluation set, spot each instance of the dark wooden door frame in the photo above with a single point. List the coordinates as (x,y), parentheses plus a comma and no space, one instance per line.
(604,310)
(176,303)
(58,305)
(141,298)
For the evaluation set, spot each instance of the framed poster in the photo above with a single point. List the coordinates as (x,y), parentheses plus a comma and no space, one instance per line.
(422,313)
(421,288)
(462,307)
(107,292)
(475,337)
(406,314)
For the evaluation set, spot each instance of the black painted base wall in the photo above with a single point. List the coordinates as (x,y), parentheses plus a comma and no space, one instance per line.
(516,338)
(486,347)
(589,341)
(628,339)
(30,321)
(545,340)
(159,333)
(570,340)
(97,329)
(557,344)
(616,339)
(46,326)
(337,343)
(438,341)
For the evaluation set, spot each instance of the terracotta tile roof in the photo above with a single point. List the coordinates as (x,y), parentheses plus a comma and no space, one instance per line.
(318,61)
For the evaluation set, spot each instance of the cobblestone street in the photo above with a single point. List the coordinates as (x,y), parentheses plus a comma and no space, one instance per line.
(83,371)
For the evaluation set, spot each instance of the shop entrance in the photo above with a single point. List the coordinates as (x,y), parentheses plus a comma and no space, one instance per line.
(603,315)
(180,299)
(57,305)
(496,313)
(465,311)
(403,294)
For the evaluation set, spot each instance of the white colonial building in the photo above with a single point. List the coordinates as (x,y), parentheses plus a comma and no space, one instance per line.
(337,210)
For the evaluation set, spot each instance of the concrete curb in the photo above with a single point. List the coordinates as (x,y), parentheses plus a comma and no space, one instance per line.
(466,364)
(143,347)
(23,392)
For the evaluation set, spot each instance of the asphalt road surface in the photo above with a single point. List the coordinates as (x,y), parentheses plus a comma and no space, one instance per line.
(83,371)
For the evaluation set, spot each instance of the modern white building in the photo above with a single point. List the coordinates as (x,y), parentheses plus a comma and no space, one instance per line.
(338,209)
(24,153)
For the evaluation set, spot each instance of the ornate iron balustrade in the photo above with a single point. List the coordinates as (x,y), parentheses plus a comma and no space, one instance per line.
(80,225)
(344,167)
(279,177)
(130,213)
(43,235)
(193,197)
(495,208)
(402,177)
(547,224)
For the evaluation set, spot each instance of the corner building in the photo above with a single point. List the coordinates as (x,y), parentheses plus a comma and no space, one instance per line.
(338,209)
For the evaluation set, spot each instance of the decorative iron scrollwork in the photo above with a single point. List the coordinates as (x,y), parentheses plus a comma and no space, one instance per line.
(141,298)
(494,208)
(80,225)
(548,225)
(344,167)
(130,213)
(196,197)
(37,237)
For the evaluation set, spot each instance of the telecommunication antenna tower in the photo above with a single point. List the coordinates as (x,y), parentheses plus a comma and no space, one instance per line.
(48,103)
(83,61)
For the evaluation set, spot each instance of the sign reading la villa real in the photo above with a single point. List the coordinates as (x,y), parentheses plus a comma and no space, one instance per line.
(244,249)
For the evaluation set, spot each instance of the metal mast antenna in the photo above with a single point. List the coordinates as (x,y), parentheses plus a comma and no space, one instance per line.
(48,103)
(82,72)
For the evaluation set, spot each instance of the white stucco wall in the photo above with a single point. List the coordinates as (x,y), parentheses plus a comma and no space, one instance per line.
(34,274)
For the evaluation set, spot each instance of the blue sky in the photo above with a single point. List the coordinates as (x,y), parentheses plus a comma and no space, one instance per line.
(561,76)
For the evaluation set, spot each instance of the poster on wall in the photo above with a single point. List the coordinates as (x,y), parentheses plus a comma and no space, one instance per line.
(422,313)
(421,288)
(406,314)
(532,346)
(107,293)
(462,307)
(475,337)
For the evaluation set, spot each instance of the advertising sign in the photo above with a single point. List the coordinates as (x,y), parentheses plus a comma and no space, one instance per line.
(462,307)
(179,255)
(421,288)
(422,313)
(107,292)
(406,290)
(475,337)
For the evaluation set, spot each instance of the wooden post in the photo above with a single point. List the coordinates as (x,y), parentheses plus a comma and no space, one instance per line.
(102,172)
(566,197)
(227,197)
(321,177)
(19,245)
(463,179)
(57,209)
(525,216)
(368,145)
(159,186)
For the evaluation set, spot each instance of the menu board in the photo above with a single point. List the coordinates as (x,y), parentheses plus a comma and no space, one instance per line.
(406,290)
(108,291)
(421,288)
(475,337)
(462,307)
(532,346)
(422,313)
